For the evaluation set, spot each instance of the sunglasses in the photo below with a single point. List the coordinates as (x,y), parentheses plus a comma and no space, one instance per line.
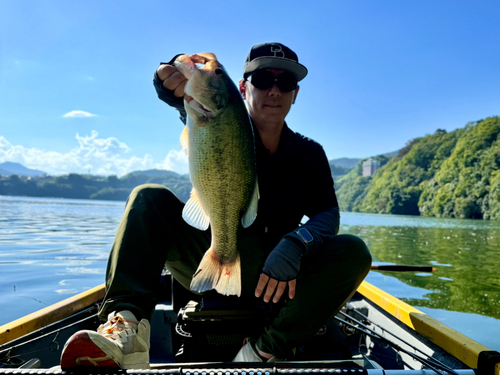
(265,79)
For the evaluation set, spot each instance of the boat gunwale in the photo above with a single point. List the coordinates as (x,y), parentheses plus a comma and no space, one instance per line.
(50,314)
(455,343)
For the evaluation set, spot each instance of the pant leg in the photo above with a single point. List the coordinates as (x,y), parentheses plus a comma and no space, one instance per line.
(151,234)
(327,280)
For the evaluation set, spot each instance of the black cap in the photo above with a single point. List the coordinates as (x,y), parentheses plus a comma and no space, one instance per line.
(274,55)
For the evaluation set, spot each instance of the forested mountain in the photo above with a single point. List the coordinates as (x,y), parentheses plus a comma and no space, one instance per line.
(453,174)
(94,187)
(347,163)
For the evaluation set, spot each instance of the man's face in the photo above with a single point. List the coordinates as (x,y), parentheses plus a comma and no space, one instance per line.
(269,105)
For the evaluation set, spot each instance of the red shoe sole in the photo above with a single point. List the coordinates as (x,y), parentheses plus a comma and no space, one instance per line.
(80,351)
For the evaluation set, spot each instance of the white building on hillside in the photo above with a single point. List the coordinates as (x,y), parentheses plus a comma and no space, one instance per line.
(370,166)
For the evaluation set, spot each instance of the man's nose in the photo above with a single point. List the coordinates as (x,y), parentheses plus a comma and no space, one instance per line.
(274,91)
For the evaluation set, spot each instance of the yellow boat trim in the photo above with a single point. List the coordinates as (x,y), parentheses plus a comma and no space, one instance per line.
(394,306)
(458,345)
(50,314)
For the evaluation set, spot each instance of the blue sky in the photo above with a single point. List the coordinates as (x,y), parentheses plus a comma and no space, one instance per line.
(76,91)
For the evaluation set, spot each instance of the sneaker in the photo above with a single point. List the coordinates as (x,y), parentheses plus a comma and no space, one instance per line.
(121,342)
(248,354)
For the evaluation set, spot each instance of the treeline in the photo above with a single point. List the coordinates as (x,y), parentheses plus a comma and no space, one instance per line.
(453,174)
(78,186)
(337,170)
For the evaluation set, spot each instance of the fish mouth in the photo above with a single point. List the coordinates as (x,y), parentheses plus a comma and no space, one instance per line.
(200,108)
(194,103)
(194,67)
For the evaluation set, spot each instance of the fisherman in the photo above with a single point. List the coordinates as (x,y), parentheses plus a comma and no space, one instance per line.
(309,269)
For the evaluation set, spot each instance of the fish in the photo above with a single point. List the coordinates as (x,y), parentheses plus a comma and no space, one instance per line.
(220,145)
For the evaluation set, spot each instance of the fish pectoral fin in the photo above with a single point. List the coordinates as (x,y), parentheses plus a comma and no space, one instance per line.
(185,139)
(251,212)
(194,214)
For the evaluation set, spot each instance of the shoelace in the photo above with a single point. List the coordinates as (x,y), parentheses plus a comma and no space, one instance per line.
(117,325)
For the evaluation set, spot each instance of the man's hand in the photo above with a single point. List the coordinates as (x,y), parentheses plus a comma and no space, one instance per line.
(173,80)
(274,286)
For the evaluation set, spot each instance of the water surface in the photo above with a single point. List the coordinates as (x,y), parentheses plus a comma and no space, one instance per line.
(52,249)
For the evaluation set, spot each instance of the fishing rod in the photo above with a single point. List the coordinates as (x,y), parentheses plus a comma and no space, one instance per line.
(5,353)
(64,258)
(403,268)
(429,362)
(350,307)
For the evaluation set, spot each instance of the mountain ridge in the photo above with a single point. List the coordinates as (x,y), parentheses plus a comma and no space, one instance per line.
(9,168)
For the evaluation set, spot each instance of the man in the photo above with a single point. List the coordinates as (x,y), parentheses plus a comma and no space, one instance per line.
(309,268)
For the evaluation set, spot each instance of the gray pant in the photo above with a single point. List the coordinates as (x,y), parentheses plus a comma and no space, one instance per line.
(152,234)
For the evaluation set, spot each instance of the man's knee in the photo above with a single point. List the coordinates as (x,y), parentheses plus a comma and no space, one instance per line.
(153,193)
(353,248)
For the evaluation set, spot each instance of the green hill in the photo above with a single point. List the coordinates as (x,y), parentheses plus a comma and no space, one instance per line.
(347,163)
(94,187)
(453,174)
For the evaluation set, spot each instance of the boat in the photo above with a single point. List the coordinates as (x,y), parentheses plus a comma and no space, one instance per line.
(375,333)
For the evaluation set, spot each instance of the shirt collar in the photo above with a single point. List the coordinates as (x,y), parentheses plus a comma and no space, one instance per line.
(284,147)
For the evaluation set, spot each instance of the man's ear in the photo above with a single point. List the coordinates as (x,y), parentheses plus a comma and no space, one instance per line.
(295,94)
(243,88)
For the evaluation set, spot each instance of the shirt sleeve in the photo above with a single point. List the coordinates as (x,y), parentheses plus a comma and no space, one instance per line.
(322,206)
(283,263)
(319,183)
(321,227)
(168,95)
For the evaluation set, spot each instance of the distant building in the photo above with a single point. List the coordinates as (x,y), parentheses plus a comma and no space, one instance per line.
(370,167)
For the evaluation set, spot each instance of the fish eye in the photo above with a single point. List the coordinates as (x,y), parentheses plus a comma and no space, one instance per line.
(219,71)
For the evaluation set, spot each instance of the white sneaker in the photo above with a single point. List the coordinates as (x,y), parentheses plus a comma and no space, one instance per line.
(248,354)
(121,342)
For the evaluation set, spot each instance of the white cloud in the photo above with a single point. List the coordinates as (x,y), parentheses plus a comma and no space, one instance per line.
(79,114)
(102,156)
(175,161)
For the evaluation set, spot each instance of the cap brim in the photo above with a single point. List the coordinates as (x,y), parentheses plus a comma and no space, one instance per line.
(298,70)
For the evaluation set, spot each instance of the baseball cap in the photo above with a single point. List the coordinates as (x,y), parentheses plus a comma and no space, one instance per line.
(274,55)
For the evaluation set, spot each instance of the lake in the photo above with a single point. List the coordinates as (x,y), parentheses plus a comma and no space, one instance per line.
(52,249)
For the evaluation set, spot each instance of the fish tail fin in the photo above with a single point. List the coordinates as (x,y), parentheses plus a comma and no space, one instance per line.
(230,278)
(211,274)
(208,273)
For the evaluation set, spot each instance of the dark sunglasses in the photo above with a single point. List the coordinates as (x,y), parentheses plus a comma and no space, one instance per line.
(265,79)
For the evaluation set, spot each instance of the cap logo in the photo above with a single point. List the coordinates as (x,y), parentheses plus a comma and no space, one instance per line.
(275,49)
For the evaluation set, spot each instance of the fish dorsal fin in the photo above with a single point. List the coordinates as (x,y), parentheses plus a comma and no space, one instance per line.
(194,214)
(185,139)
(251,213)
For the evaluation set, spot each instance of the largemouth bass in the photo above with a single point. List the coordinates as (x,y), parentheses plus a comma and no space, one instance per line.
(220,144)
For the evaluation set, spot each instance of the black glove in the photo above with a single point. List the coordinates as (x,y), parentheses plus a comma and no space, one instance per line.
(283,263)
